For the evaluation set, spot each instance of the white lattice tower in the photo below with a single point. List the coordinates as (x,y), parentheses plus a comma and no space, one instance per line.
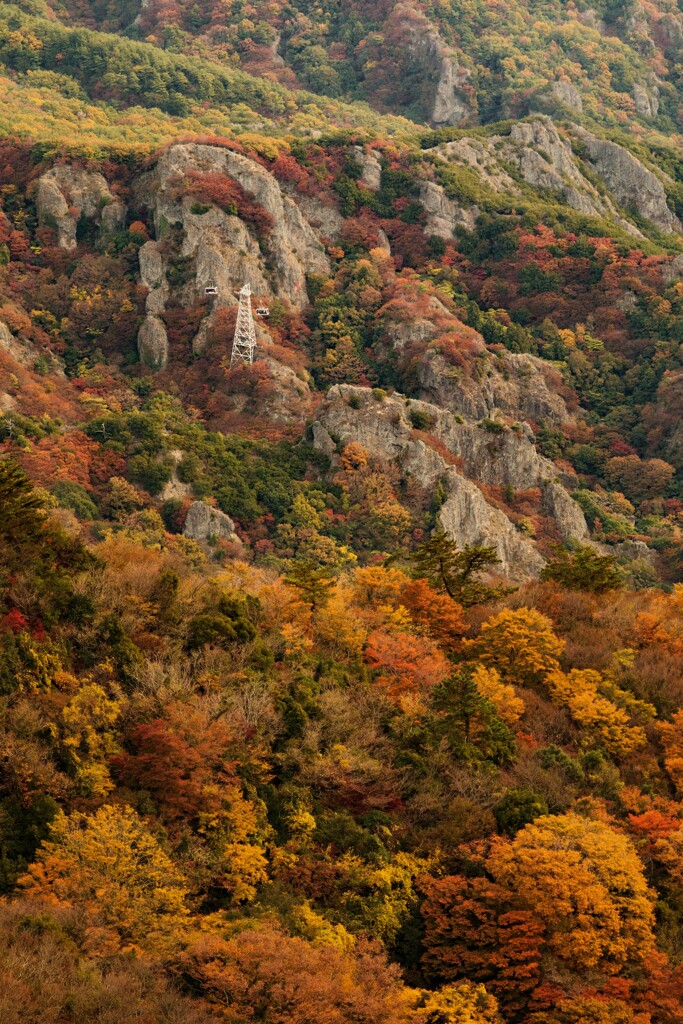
(244,342)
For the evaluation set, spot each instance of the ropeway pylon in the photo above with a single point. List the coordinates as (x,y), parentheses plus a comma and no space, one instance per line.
(244,341)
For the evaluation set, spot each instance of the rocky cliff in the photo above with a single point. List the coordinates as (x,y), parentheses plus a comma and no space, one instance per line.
(564,161)
(66,193)
(455,457)
(222,250)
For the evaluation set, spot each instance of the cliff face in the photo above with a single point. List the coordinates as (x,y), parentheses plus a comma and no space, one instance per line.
(223,250)
(384,426)
(66,193)
(546,157)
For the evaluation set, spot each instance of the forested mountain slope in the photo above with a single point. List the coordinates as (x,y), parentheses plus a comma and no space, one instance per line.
(345,685)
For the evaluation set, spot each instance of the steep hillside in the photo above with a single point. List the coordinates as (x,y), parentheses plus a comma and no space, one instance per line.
(533,358)
(345,685)
(447,62)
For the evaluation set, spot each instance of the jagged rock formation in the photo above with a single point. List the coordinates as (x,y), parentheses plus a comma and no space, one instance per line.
(225,250)
(371,168)
(513,385)
(221,250)
(66,192)
(481,156)
(448,100)
(444,215)
(568,515)
(646,100)
(517,387)
(673,271)
(153,343)
(203,522)
(632,184)
(153,277)
(567,94)
(468,519)
(544,158)
(24,353)
(505,458)
(324,217)
(152,337)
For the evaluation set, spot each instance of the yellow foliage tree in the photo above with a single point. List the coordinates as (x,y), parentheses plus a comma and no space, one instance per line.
(519,643)
(578,691)
(234,833)
(87,737)
(509,706)
(109,863)
(380,897)
(586,881)
(375,585)
(671,734)
(338,625)
(589,1011)
(463,1003)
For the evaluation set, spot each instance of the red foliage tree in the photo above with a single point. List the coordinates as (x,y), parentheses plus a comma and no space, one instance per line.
(477,929)
(182,760)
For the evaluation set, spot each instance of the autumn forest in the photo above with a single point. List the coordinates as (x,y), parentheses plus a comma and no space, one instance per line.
(341,674)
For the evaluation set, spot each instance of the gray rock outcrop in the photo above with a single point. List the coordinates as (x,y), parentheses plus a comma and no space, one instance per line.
(153,343)
(568,515)
(516,387)
(324,217)
(481,156)
(444,215)
(371,167)
(65,193)
(22,351)
(646,100)
(385,427)
(225,249)
(448,100)
(630,182)
(203,522)
(542,155)
(469,519)
(567,94)
(673,271)
(451,104)
(153,277)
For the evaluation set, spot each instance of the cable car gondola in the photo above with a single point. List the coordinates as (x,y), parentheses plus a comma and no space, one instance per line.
(262,311)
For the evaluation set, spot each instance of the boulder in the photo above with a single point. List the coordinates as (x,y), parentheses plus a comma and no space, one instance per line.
(203,522)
